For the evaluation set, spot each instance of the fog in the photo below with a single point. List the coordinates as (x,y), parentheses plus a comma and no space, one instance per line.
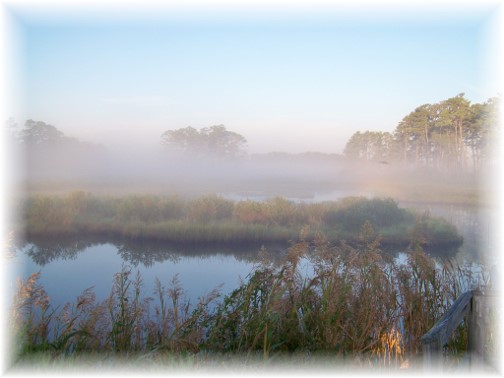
(157,171)
(100,170)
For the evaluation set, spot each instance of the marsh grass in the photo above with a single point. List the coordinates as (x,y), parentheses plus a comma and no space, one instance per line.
(358,306)
(212,219)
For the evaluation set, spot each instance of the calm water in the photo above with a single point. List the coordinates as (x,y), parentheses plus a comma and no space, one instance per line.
(69,267)
(66,276)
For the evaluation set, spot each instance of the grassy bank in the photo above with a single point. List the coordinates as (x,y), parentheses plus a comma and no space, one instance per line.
(358,307)
(212,219)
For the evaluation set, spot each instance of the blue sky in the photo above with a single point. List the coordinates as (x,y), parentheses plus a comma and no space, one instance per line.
(287,81)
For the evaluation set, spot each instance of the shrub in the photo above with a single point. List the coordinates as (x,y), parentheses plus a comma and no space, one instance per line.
(352,214)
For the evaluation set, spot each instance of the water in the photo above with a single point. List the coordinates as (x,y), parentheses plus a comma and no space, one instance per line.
(65,277)
(311,197)
(478,227)
(69,267)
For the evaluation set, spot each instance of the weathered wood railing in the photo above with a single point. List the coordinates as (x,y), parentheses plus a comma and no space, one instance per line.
(473,306)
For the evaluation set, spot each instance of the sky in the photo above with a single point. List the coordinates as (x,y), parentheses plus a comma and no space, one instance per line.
(290,77)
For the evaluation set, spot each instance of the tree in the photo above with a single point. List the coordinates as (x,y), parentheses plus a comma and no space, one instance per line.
(482,130)
(454,116)
(223,143)
(414,131)
(49,153)
(451,134)
(40,133)
(369,146)
(186,140)
(214,141)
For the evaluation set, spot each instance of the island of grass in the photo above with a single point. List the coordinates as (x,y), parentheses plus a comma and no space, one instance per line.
(212,219)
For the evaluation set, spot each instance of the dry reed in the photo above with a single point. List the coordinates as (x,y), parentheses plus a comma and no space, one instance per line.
(357,302)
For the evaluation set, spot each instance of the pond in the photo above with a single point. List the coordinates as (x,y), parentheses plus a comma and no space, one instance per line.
(68,267)
(67,272)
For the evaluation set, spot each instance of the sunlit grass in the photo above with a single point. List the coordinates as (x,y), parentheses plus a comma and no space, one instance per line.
(358,307)
(213,219)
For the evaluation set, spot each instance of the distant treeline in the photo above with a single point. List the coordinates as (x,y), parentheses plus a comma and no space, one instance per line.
(450,134)
(213,219)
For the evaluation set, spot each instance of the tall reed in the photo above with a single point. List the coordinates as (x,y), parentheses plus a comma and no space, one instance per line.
(333,299)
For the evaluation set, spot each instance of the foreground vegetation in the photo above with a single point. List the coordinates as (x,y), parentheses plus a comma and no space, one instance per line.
(357,305)
(212,219)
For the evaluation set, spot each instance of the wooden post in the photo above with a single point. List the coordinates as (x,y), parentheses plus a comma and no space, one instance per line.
(434,340)
(432,353)
(475,306)
(479,327)
(474,336)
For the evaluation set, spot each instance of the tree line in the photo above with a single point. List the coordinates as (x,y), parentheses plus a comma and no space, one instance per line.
(38,135)
(214,141)
(450,134)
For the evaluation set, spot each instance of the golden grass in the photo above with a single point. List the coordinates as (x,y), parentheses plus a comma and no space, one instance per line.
(358,305)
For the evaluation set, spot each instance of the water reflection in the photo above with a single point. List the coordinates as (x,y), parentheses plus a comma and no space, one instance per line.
(475,224)
(45,251)
(69,266)
(147,256)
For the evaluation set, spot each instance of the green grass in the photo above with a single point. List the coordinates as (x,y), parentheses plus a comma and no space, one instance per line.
(212,219)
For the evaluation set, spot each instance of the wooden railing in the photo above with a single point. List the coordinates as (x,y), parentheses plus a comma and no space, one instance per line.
(474,307)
